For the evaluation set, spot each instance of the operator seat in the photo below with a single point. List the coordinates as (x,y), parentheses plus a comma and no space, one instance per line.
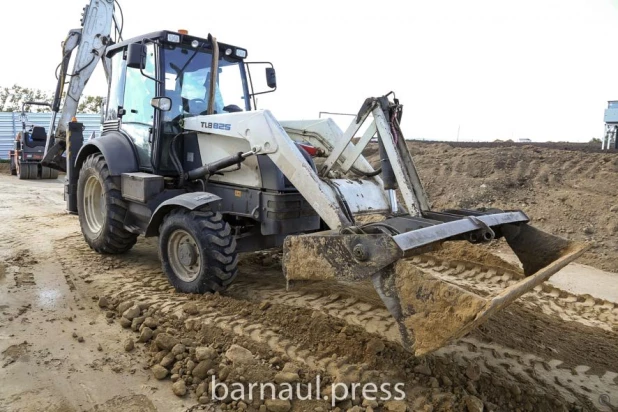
(36,137)
(39,134)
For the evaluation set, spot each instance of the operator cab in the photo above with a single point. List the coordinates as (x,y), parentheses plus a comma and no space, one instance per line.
(174,66)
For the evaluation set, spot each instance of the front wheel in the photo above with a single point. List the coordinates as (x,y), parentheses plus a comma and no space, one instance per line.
(197,251)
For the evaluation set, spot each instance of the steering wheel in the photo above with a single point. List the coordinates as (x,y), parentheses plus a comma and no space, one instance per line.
(194,103)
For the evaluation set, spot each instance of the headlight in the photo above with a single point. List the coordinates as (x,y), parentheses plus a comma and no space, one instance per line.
(195,43)
(228,52)
(242,53)
(173,38)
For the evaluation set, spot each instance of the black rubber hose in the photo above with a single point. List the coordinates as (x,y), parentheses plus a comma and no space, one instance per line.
(366,174)
(214,167)
(176,160)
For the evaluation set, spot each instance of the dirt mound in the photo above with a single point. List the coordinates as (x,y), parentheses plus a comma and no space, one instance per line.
(4,167)
(465,252)
(568,193)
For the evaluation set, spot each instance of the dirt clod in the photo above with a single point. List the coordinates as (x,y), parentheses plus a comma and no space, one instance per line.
(423,369)
(159,372)
(473,404)
(239,355)
(165,341)
(204,352)
(168,360)
(179,388)
(122,307)
(395,406)
(151,322)
(190,308)
(375,346)
(103,302)
(131,313)
(178,349)
(145,335)
(278,405)
(286,377)
(201,369)
(129,345)
(473,371)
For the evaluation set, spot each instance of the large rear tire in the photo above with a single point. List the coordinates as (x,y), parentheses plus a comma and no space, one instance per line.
(198,251)
(102,209)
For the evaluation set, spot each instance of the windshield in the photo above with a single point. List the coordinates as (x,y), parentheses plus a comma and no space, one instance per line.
(187,79)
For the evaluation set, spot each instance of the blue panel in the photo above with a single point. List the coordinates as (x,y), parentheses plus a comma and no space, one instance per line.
(10,125)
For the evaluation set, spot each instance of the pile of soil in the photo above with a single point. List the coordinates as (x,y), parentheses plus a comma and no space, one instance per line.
(568,193)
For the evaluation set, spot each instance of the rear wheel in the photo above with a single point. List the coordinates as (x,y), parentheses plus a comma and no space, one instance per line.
(27,171)
(13,166)
(197,251)
(101,208)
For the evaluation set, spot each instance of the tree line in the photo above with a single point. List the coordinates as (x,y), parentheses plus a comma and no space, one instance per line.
(12,98)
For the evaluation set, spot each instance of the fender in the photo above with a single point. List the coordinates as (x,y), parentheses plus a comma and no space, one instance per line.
(191,201)
(117,149)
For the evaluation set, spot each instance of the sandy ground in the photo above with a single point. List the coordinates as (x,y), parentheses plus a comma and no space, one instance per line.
(46,366)
(555,349)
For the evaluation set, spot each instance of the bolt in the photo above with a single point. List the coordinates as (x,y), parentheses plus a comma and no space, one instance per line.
(360,252)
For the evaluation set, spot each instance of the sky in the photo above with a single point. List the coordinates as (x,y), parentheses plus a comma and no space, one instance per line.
(475,70)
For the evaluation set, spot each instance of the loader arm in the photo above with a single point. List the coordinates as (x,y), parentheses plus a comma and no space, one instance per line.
(88,44)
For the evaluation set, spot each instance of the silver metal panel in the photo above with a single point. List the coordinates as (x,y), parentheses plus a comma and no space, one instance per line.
(141,187)
(10,125)
(409,241)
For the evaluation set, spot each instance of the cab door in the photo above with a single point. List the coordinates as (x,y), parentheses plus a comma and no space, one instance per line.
(128,102)
(138,115)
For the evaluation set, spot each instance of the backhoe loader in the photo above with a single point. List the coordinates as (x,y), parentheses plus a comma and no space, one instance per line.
(185,155)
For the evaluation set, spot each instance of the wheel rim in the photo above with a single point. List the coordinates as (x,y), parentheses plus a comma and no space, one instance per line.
(184,255)
(93,204)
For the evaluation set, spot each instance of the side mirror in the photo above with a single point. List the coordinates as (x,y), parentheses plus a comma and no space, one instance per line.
(162,103)
(136,56)
(271,78)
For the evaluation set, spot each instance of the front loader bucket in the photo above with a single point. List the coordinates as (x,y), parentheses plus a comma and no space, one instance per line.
(430,311)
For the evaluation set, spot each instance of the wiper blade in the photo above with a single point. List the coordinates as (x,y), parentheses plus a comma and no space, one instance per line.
(187,63)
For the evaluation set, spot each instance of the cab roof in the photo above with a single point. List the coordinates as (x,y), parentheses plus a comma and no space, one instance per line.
(162,36)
